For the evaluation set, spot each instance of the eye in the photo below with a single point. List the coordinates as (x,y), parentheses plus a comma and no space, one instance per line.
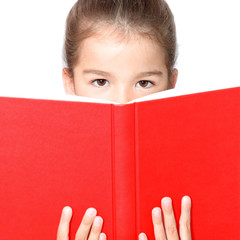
(144,84)
(100,82)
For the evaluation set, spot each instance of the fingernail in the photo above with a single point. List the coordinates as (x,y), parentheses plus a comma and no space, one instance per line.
(102,236)
(156,212)
(98,221)
(186,199)
(91,212)
(67,210)
(167,201)
(142,236)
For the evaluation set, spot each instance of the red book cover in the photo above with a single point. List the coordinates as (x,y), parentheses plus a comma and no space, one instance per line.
(121,160)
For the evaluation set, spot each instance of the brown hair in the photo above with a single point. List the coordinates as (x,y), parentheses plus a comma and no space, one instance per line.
(152,18)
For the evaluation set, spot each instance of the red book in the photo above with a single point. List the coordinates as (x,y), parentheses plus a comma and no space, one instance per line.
(121,160)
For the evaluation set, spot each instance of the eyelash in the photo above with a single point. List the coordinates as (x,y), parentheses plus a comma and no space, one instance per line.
(97,81)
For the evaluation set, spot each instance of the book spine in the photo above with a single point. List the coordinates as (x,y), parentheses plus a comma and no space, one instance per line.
(123,172)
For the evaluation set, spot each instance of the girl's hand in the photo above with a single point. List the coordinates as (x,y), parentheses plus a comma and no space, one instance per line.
(164,221)
(164,224)
(89,229)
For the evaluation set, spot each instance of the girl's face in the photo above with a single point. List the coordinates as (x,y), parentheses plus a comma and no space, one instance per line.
(118,71)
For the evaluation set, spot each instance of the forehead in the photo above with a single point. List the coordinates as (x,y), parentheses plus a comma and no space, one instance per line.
(109,45)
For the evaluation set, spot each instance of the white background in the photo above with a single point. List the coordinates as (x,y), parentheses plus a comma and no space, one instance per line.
(32,32)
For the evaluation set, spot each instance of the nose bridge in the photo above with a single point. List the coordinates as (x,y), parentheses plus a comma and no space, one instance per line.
(123,94)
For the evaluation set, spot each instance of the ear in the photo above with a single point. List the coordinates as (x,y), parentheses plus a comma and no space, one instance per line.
(68,82)
(173,79)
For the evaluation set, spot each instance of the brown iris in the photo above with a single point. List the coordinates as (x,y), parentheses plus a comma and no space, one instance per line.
(101,82)
(143,83)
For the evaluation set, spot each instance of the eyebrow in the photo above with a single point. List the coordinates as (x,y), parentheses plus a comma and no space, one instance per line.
(106,74)
(148,74)
(96,72)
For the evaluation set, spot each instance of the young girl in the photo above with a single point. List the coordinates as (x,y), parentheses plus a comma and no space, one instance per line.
(120,50)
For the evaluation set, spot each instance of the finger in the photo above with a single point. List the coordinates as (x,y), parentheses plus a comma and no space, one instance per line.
(102,236)
(96,228)
(185,219)
(85,226)
(63,228)
(158,227)
(142,236)
(169,219)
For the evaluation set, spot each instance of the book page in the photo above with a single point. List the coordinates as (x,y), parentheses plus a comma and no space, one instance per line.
(178,91)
